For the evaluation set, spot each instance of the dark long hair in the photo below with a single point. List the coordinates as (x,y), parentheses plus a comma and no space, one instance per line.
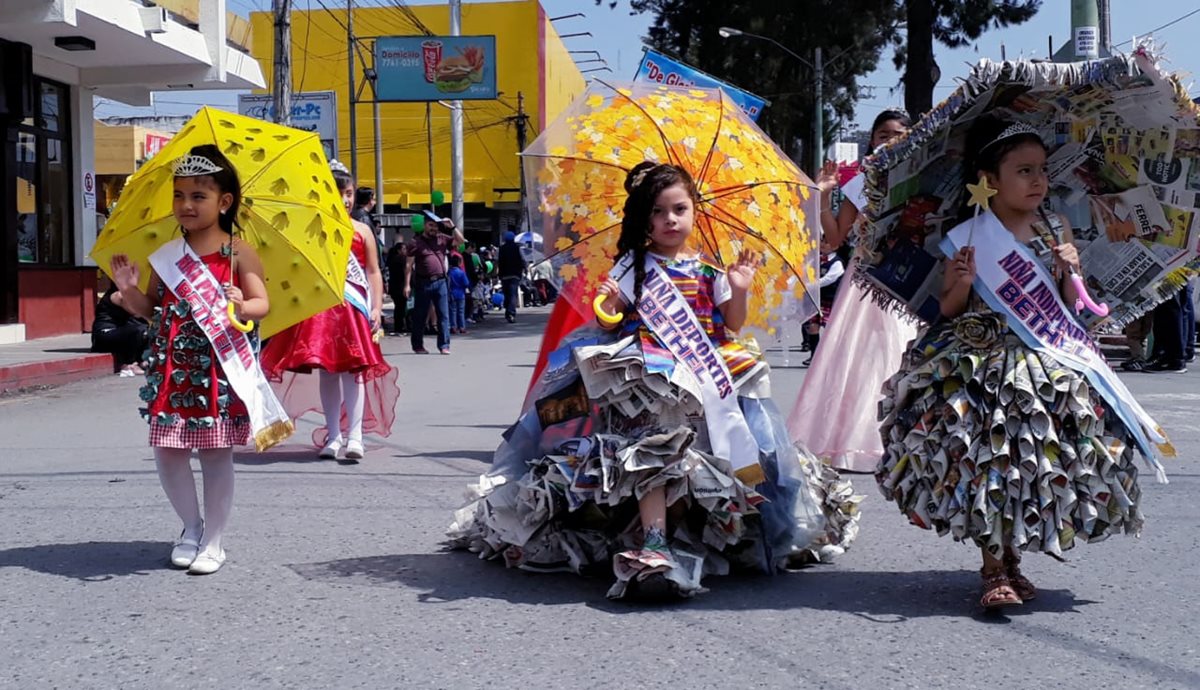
(227,182)
(644,183)
(984,154)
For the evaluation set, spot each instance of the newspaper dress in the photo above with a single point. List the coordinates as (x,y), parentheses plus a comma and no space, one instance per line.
(609,421)
(997,443)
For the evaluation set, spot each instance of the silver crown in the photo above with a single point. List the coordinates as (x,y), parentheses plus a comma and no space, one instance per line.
(1016,129)
(337,166)
(192,165)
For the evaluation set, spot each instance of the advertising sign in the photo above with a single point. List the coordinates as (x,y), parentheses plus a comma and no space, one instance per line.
(154,144)
(312,111)
(434,68)
(660,69)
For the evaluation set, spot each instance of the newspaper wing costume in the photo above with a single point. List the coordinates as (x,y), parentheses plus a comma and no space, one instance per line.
(1124,169)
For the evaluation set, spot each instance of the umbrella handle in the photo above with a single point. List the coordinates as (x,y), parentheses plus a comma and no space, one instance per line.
(243,326)
(605,317)
(1084,299)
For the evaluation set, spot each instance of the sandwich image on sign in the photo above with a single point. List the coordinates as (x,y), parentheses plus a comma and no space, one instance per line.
(456,73)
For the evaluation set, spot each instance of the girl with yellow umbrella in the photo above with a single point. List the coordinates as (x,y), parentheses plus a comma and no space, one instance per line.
(202,382)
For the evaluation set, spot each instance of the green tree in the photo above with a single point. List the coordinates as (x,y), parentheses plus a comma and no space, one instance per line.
(953,23)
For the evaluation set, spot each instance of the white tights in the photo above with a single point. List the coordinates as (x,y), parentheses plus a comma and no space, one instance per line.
(175,473)
(336,388)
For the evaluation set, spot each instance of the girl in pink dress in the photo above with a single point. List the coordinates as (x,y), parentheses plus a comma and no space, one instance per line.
(835,413)
(354,388)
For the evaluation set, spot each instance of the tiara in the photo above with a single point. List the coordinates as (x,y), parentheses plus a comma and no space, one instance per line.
(192,165)
(1016,129)
(337,166)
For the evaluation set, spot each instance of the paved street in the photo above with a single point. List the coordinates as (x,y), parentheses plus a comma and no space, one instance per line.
(337,577)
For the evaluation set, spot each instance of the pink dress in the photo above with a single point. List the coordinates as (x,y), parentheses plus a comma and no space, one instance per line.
(836,413)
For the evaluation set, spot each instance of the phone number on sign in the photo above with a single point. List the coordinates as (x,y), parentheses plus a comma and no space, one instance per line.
(403,62)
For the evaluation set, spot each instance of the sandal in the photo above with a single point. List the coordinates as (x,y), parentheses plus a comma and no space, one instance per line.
(1020,584)
(998,590)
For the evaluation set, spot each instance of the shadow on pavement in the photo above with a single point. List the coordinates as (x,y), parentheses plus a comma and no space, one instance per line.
(274,456)
(879,597)
(92,561)
(484,456)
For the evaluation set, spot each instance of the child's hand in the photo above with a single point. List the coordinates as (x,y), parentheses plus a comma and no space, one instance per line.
(609,288)
(234,295)
(1066,258)
(741,273)
(125,273)
(827,178)
(962,267)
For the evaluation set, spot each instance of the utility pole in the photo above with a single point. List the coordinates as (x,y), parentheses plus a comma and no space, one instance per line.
(281,87)
(522,129)
(351,101)
(818,112)
(1105,27)
(378,138)
(456,132)
(1084,41)
(429,144)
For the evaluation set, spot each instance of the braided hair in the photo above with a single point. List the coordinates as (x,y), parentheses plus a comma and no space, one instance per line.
(644,183)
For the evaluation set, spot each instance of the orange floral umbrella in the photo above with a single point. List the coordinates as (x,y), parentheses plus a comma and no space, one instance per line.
(752,196)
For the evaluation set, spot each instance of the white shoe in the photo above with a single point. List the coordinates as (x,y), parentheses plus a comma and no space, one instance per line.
(184,551)
(331,449)
(354,450)
(207,563)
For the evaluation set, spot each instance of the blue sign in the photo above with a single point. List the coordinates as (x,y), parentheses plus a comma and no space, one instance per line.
(660,69)
(435,68)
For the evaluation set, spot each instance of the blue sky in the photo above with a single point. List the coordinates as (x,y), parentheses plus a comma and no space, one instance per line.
(617,36)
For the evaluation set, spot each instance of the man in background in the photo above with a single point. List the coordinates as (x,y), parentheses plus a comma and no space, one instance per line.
(511,269)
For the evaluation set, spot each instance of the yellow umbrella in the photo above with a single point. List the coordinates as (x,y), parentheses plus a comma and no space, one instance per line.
(292,212)
(752,197)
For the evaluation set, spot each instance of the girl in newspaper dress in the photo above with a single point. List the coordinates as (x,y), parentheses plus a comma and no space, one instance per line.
(191,403)
(355,387)
(834,414)
(617,463)
(988,438)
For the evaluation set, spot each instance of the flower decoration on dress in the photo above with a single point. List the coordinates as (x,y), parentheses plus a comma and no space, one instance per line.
(980,331)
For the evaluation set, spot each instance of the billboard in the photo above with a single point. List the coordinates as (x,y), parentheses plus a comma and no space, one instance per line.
(312,111)
(434,68)
(660,69)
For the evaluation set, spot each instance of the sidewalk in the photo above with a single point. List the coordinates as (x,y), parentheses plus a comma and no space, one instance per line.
(51,362)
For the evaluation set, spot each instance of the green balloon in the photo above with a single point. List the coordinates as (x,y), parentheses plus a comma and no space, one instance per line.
(488,265)
(418,224)
(438,197)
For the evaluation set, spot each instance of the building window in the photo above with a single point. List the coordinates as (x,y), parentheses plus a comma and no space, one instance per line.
(44,186)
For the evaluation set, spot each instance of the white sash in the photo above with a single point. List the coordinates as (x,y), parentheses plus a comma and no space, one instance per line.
(186,276)
(356,290)
(667,314)
(1014,283)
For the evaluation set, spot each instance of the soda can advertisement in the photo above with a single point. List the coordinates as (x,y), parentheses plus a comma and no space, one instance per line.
(434,68)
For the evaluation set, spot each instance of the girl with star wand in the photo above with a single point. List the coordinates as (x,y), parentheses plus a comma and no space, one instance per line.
(1004,425)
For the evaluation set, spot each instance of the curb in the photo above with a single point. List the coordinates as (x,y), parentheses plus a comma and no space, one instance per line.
(54,372)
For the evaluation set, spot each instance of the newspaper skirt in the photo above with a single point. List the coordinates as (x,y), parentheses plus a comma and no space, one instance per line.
(993,442)
(610,424)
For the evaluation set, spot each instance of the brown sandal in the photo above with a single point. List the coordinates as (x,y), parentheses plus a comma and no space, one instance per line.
(1021,584)
(998,590)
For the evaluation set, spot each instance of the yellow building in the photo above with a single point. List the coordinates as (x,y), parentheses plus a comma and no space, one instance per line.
(532,62)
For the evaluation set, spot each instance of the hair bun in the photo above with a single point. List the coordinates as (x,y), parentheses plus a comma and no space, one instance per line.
(638,174)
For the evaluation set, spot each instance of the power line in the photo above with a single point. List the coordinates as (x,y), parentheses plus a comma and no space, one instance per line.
(1168,24)
(308,22)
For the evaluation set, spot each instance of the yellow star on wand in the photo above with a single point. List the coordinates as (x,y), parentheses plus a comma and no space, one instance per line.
(981,194)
